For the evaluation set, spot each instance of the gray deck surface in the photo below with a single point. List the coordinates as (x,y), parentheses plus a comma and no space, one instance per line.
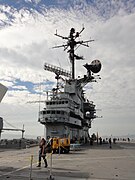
(91,163)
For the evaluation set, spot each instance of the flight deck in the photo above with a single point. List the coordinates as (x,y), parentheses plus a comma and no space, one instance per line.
(97,162)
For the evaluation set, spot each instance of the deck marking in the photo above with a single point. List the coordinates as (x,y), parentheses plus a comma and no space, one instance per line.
(11,172)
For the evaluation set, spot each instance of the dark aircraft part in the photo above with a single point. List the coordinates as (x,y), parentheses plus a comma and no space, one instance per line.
(95,66)
(1,123)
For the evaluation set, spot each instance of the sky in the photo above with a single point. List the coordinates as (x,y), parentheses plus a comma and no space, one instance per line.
(26,44)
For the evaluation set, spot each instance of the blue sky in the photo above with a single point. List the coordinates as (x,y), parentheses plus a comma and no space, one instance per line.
(26,44)
(19,85)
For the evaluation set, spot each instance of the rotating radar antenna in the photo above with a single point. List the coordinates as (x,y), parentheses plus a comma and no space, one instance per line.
(95,66)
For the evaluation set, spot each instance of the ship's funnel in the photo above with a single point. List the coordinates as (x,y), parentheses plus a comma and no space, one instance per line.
(95,66)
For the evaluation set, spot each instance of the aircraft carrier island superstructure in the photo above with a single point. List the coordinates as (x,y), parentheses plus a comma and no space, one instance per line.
(68,112)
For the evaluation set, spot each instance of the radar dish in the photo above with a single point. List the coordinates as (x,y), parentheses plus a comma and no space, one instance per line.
(95,66)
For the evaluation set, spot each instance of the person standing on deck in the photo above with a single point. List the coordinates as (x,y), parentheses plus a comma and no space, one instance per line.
(110,143)
(42,153)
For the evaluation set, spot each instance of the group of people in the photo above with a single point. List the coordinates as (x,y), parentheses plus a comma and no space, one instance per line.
(109,141)
(43,148)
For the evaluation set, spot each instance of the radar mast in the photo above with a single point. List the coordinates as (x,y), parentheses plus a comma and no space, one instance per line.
(70,46)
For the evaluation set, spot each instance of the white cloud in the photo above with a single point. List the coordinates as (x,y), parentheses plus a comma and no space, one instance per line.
(7,83)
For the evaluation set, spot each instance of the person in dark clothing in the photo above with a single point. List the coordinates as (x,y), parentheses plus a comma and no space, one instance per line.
(100,140)
(42,153)
(110,143)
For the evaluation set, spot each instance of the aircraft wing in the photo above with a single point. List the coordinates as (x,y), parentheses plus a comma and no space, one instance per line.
(3,90)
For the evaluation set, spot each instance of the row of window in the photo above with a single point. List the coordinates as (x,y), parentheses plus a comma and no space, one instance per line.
(52,112)
(56,102)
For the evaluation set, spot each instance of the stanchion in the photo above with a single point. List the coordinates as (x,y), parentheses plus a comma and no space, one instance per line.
(51,177)
(59,146)
(31,162)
